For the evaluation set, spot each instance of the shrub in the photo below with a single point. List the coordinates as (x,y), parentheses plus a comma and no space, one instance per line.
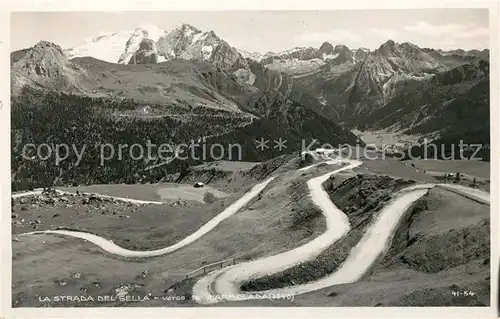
(209,198)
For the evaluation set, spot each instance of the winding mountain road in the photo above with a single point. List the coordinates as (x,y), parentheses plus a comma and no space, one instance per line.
(112,248)
(224,284)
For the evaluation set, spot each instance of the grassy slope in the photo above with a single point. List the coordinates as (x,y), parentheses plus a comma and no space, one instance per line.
(175,82)
(361,197)
(71,120)
(430,270)
(255,232)
(141,227)
(279,221)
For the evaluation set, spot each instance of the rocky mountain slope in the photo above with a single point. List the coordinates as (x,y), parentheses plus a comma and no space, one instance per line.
(345,85)
(177,83)
(117,47)
(445,99)
(189,43)
(150,44)
(304,60)
(45,65)
(458,57)
(146,53)
(256,56)
(173,84)
(382,70)
(365,95)
(178,101)
(188,84)
(360,88)
(483,54)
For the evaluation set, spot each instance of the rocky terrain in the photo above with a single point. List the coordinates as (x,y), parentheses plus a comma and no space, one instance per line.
(46,66)
(116,46)
(113,218)
(146,54)
(31,213)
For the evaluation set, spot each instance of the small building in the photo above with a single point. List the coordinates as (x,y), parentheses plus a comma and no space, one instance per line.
(198,185)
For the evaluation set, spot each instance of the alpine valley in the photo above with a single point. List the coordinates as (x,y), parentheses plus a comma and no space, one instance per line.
(187,84)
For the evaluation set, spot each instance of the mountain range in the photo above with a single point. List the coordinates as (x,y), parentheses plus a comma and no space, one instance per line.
(189,83)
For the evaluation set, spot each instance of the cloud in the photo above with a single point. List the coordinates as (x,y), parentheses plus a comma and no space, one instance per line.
(456,31)
(246,44)
(334,36)
(383,33)
(451,35)
(237,43)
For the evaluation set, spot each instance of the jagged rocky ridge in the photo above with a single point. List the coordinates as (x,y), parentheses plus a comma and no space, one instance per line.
(176,101)
(46,66)
(363,95)
(355,87)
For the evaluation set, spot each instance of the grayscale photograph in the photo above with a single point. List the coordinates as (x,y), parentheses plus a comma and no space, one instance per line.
(326,158)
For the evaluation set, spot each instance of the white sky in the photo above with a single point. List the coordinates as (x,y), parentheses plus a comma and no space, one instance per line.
(264,31)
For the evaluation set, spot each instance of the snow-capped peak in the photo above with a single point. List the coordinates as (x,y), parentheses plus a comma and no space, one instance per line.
(292,50)
(256,56)
(364,49)
(150,44)
(188,29)
(153,31)
(118,46)
(204,43)
(106,47)
(330,56)
(133,44)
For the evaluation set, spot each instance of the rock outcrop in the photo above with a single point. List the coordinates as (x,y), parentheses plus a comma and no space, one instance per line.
(146,53)
(46,66)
